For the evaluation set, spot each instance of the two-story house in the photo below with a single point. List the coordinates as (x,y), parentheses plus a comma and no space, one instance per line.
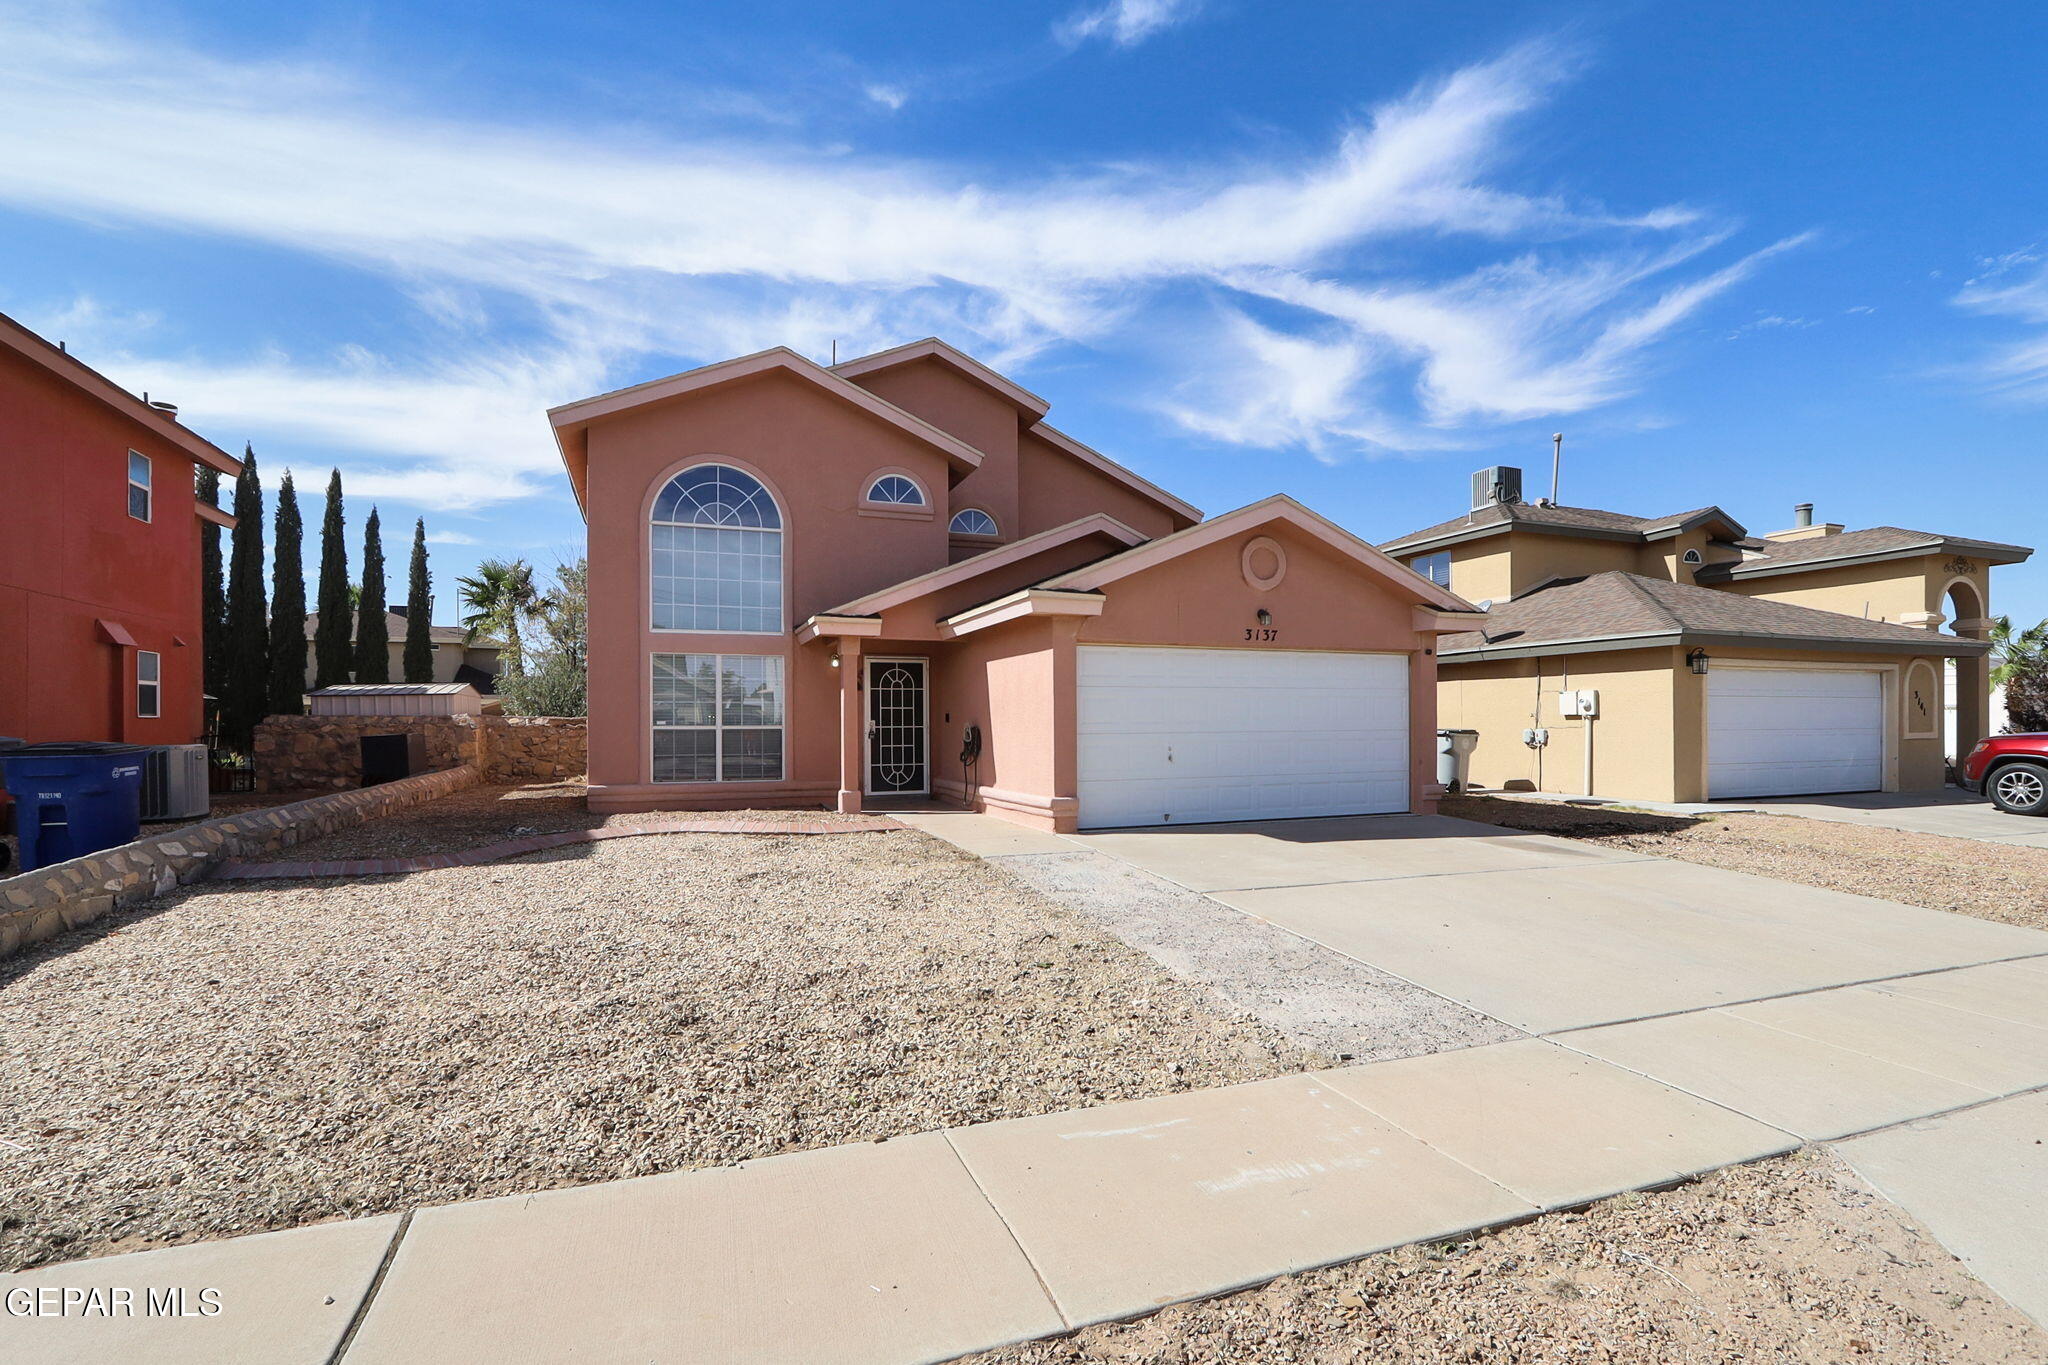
(99,554)
(1720,664)
(892,580)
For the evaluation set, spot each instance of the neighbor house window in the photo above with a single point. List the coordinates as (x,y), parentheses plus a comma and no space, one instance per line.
(1436,568)
(149,678)
(717,718)
(972,521)
(717,553)
(138,486)
(895,490)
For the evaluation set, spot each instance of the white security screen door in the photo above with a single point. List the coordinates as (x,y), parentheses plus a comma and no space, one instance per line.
(1793,732)
(1186,736)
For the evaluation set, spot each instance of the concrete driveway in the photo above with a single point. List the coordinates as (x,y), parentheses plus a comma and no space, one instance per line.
(1547,934)
(1954,813)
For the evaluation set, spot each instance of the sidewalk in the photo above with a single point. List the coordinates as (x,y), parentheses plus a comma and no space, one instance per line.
(931,1246)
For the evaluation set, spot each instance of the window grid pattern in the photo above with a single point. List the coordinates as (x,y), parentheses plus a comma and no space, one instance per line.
(1436,568)
(138,486)
(972,521)
(149,668)
(897,490)
(717,718)
(716,554)
(896,755)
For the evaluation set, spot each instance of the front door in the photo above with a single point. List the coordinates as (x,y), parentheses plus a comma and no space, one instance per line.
(898,755)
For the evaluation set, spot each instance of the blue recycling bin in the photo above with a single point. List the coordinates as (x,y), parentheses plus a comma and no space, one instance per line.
(73,799)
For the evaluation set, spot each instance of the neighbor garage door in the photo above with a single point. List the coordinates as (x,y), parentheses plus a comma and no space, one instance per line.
(1789,732)
(1182,736)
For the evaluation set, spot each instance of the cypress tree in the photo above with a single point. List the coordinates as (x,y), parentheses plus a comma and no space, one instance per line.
(246,686)
(419,607)
(213,601)
(330,636)
(287,606)
(373,634)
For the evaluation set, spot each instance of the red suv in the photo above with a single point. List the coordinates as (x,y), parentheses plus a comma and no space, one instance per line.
(2012,770)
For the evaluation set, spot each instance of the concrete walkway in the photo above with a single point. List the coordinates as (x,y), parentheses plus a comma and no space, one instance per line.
(930,1246)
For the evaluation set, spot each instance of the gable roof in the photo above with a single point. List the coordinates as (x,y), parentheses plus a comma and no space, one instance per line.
(931,348)
(1554,519)
(911,589)
(1617,610)
(1101,463)
(76,372)
(1765,557)
(1278,508)
(571,421)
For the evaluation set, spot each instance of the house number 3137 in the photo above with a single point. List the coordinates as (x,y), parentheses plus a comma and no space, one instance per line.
(1266,633)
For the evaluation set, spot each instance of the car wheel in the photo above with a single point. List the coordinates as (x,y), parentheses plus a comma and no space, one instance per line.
(2021,788)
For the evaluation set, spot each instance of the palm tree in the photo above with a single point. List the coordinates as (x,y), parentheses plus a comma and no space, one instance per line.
(498,595)
(2016,653)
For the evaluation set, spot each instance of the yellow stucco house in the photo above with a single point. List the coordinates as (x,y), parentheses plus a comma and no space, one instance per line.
(1680,658)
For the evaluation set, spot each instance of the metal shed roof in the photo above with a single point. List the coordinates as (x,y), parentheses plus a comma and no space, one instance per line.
(391,689)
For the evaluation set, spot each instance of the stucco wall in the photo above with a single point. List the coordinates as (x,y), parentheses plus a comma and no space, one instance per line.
(70,554)
(1007,681)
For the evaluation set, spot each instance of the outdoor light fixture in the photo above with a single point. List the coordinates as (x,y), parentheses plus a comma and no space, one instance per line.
(835,661)
(1265,617)
(1697,661)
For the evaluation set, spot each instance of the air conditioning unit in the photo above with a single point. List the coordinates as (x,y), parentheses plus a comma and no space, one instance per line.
(174,783)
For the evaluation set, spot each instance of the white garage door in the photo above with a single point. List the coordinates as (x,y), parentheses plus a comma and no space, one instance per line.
(1784,732)
(1183,736)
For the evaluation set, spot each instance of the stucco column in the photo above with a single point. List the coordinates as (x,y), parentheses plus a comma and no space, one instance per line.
(852,725)
(1066,709)
(1973,690)
(1423,788)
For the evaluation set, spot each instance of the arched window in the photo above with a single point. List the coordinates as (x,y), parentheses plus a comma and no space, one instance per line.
(1691,557)
(896,490)
(972,521)
(717,553)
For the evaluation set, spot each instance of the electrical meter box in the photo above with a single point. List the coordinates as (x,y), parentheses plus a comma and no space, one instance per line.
(1583,703)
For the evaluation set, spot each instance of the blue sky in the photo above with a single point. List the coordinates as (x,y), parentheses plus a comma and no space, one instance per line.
(1748,255)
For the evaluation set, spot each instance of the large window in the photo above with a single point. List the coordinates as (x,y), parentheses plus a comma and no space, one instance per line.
(717,718)
(1436,568)
(138,486)
(149,678)
(717,553)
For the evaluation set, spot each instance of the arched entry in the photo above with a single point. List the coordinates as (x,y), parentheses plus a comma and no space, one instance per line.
(1969,677)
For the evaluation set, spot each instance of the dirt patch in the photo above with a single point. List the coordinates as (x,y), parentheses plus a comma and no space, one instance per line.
(1789,1260)
(1999,882)
(251,1055)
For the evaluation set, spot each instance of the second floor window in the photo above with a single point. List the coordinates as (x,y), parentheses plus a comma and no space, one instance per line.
(972,521)
(1436,568)
(896,490)
(716,553)
(138,486)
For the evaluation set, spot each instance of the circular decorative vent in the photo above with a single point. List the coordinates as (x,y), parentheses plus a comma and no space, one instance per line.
(1265,563)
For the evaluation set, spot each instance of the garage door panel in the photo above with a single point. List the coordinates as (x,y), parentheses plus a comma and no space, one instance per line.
(1185,736)
(1786,732)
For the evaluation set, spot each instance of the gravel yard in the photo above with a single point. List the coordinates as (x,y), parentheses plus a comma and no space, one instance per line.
(1991,881)
(251,1055)
(1790,1260)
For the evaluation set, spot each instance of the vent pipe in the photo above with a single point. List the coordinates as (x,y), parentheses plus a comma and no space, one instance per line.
(1802,515)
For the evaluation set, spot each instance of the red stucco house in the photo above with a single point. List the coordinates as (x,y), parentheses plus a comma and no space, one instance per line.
(99,554)
(891,579)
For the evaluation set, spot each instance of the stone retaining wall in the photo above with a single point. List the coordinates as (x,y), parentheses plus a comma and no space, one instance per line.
(534,748)
(40,904)
(309,753)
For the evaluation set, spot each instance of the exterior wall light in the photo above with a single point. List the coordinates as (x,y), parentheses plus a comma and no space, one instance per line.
(1697,661)
(835,661)
(1265,617)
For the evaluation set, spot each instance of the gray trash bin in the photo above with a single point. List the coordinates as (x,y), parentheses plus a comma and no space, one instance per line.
(1454,758)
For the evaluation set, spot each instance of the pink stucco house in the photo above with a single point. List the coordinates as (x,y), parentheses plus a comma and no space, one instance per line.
(892,580)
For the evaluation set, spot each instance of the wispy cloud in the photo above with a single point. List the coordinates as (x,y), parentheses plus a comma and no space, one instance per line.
(890,97)
(2013,286)
(450,538)
(1124,22)
(628,252)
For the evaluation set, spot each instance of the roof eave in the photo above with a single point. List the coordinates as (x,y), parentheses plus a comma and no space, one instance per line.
(932,348)
(1766,568)
(1735,639)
